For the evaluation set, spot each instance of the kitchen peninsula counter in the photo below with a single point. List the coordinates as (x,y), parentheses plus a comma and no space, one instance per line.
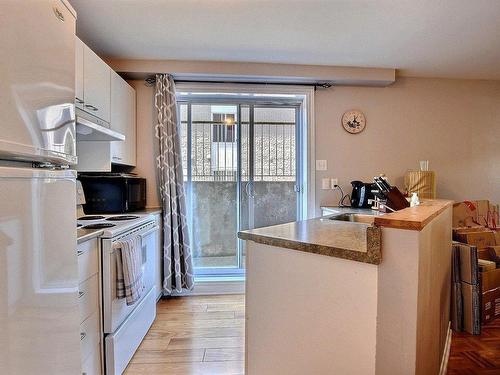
(354,241)
(327,296)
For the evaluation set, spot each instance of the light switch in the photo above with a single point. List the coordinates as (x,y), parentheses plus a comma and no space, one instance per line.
(321,165)
(325,183)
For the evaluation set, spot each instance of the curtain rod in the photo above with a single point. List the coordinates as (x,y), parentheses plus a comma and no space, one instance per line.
(150,81)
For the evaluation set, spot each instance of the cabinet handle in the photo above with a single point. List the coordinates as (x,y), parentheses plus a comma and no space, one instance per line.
(82,335)
(116,158)
(80,294)
(91,107)
(79,252)
(78,100)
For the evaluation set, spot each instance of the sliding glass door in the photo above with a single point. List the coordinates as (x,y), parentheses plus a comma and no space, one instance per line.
(240,165)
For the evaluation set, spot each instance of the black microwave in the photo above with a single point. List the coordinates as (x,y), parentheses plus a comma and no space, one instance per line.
(113,193)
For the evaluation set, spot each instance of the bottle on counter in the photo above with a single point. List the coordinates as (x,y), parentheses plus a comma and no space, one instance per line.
(414,201)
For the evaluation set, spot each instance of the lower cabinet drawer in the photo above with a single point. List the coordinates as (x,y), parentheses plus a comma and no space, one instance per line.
(88,264)
(92,365)
(121,345)
(89,335)
(88,297)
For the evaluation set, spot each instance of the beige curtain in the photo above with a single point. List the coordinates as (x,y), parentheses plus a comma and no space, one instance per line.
(178,263)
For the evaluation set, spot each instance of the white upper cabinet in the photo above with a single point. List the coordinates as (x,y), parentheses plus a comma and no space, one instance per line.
(123,120)
(79,46)
(96,85)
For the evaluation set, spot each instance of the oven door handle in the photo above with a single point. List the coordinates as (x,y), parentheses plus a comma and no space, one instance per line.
(154,229)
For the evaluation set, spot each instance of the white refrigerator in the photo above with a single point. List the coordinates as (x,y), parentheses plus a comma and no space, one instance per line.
(39,315)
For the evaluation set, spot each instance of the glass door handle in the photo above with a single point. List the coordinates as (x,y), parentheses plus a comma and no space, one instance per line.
(249,189)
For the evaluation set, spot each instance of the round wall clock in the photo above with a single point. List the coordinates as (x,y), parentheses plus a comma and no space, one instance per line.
(354,121)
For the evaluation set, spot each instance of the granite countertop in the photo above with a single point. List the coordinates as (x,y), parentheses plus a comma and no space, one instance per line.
(348,240)
(354,241)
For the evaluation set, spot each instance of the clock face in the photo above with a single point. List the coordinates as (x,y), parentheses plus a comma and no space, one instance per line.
(354,121)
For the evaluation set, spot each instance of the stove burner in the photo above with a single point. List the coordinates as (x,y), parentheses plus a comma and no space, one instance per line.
(91,217)
(98,226)
(122,217)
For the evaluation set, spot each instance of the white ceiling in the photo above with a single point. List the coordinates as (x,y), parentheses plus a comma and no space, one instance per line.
(432,38)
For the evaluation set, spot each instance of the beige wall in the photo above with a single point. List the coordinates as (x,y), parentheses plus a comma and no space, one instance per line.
(145,140)
(455,124)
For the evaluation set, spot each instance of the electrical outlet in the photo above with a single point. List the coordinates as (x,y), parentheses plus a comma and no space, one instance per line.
(334,182)
(325,183)
(321,165)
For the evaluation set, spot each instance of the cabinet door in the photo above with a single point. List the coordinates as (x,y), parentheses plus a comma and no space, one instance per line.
(123,121)
(97,85)
(79,46)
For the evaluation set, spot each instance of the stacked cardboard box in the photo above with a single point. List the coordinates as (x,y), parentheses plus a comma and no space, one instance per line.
(478,242)
(466,291)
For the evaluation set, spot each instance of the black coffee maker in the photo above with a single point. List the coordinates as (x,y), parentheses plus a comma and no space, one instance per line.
(361,193)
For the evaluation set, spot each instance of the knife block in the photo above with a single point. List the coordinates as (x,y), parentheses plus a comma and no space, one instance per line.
(396,200)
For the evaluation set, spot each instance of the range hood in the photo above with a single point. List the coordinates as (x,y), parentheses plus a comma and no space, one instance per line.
(90,128)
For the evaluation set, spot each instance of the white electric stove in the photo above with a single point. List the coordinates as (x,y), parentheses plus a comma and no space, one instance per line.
(114,225)
(124,326)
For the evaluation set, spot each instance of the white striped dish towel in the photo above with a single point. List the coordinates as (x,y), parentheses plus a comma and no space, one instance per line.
(129,280)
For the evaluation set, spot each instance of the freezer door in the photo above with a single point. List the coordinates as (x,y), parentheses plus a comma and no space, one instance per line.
(39,313)
(37,81)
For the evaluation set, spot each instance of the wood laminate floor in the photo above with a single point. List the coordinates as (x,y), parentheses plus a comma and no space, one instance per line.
(194,335)
(476,355)
(205,336)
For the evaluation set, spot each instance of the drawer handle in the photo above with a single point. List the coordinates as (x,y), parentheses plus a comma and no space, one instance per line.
(117,158)
(79,252)
(82,335)
(80,294)
(78,100)
(91,107)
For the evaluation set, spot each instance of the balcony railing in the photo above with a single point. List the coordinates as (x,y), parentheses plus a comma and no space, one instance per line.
(214,151)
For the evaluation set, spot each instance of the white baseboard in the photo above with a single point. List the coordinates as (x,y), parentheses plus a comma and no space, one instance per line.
(446,352)
(206,288)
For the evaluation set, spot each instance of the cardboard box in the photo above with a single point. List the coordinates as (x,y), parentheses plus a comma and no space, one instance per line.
(486,265)
(490,280)
(482,209)
(457,232)
(471,308)
(494,254)
(493,217)
(490,305)
(485,254)
(472,213)
(457,306)
(476,228)
(480,239)
(467,256)
(464,214)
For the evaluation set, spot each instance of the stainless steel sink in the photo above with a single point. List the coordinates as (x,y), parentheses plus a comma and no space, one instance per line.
(354,218)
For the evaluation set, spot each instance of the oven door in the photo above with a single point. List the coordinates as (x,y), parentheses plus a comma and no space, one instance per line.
(116,309)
